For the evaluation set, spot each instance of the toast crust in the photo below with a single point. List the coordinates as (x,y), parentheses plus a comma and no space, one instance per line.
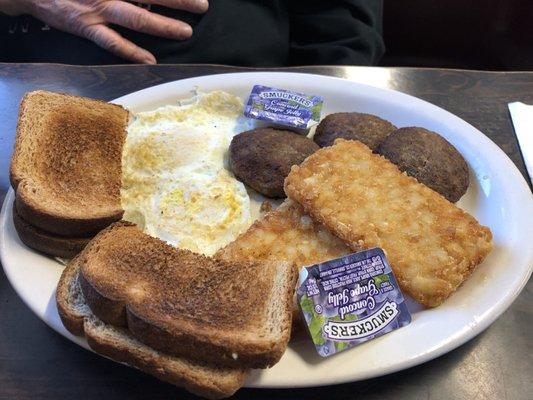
(204,380)
(45,242)
(214,348)
(179,324)
(66,165)
(71,317)
(111,311)
(29,208)
(150,365)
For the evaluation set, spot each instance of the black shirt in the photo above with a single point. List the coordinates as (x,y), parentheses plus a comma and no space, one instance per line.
(234,32)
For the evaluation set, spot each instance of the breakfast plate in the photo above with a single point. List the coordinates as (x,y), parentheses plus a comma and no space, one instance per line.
(498,197)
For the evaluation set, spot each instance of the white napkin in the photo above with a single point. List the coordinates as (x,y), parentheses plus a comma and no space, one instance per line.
(522,116)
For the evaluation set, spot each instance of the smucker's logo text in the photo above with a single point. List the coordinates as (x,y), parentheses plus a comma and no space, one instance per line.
(363,327)
(286,96)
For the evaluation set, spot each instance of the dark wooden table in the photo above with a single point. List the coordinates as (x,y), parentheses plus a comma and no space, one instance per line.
(37,363)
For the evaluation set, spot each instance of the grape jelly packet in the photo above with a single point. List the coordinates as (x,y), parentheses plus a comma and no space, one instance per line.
(350,300)
(283,107)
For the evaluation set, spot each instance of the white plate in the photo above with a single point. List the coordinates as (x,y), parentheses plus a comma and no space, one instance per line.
(498,197)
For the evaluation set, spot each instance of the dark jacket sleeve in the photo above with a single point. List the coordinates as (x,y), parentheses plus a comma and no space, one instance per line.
(344,32)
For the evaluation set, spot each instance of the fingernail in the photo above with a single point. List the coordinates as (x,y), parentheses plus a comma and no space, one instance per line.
(202,5)
(187,31)
(149,60)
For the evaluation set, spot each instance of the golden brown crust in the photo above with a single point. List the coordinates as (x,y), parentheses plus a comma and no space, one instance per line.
(187,304)
(432,245)
(285,234)
(66,166)
(45,242)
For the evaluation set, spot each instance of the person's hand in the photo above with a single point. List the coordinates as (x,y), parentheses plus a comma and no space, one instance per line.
(89,19)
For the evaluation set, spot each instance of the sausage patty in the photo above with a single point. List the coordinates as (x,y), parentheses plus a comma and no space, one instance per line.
(367,128)
(429,158)
(262,158)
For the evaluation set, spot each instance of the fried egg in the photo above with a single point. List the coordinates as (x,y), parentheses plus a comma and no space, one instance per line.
(176,184)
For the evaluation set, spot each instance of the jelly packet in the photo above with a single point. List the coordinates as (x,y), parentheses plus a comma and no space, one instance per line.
(284,107)
(350,300)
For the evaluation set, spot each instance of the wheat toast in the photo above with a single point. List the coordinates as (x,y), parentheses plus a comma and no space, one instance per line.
(116,343)
(45,242)
(186,304)
(66,165)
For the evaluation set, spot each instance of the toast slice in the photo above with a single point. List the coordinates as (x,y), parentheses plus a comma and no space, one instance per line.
(186,304)
(45,242)
(66,166)
(202,379)
(432,245)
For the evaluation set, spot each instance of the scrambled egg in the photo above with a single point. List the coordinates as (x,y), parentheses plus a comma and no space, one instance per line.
(175,179)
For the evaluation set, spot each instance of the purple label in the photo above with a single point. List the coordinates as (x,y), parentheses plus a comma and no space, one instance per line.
(350,300)
(283,107)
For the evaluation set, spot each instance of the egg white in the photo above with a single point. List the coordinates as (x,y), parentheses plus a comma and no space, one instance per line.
(176,184)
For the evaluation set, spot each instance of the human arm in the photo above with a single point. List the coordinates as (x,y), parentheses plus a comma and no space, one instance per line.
(90,19)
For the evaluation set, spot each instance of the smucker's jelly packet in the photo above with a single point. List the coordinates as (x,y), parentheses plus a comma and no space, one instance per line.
(350,300)
(283,107)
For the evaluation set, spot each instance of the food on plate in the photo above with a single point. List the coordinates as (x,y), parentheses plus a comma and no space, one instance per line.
(361,197)
(66,168)
(176,184)
(367,128)
(350,300)
(263,157)
(429,158)
(265,207)
(45,242)
(117,343)
(286,234)
(182,303)
(146,292)
(284,107)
